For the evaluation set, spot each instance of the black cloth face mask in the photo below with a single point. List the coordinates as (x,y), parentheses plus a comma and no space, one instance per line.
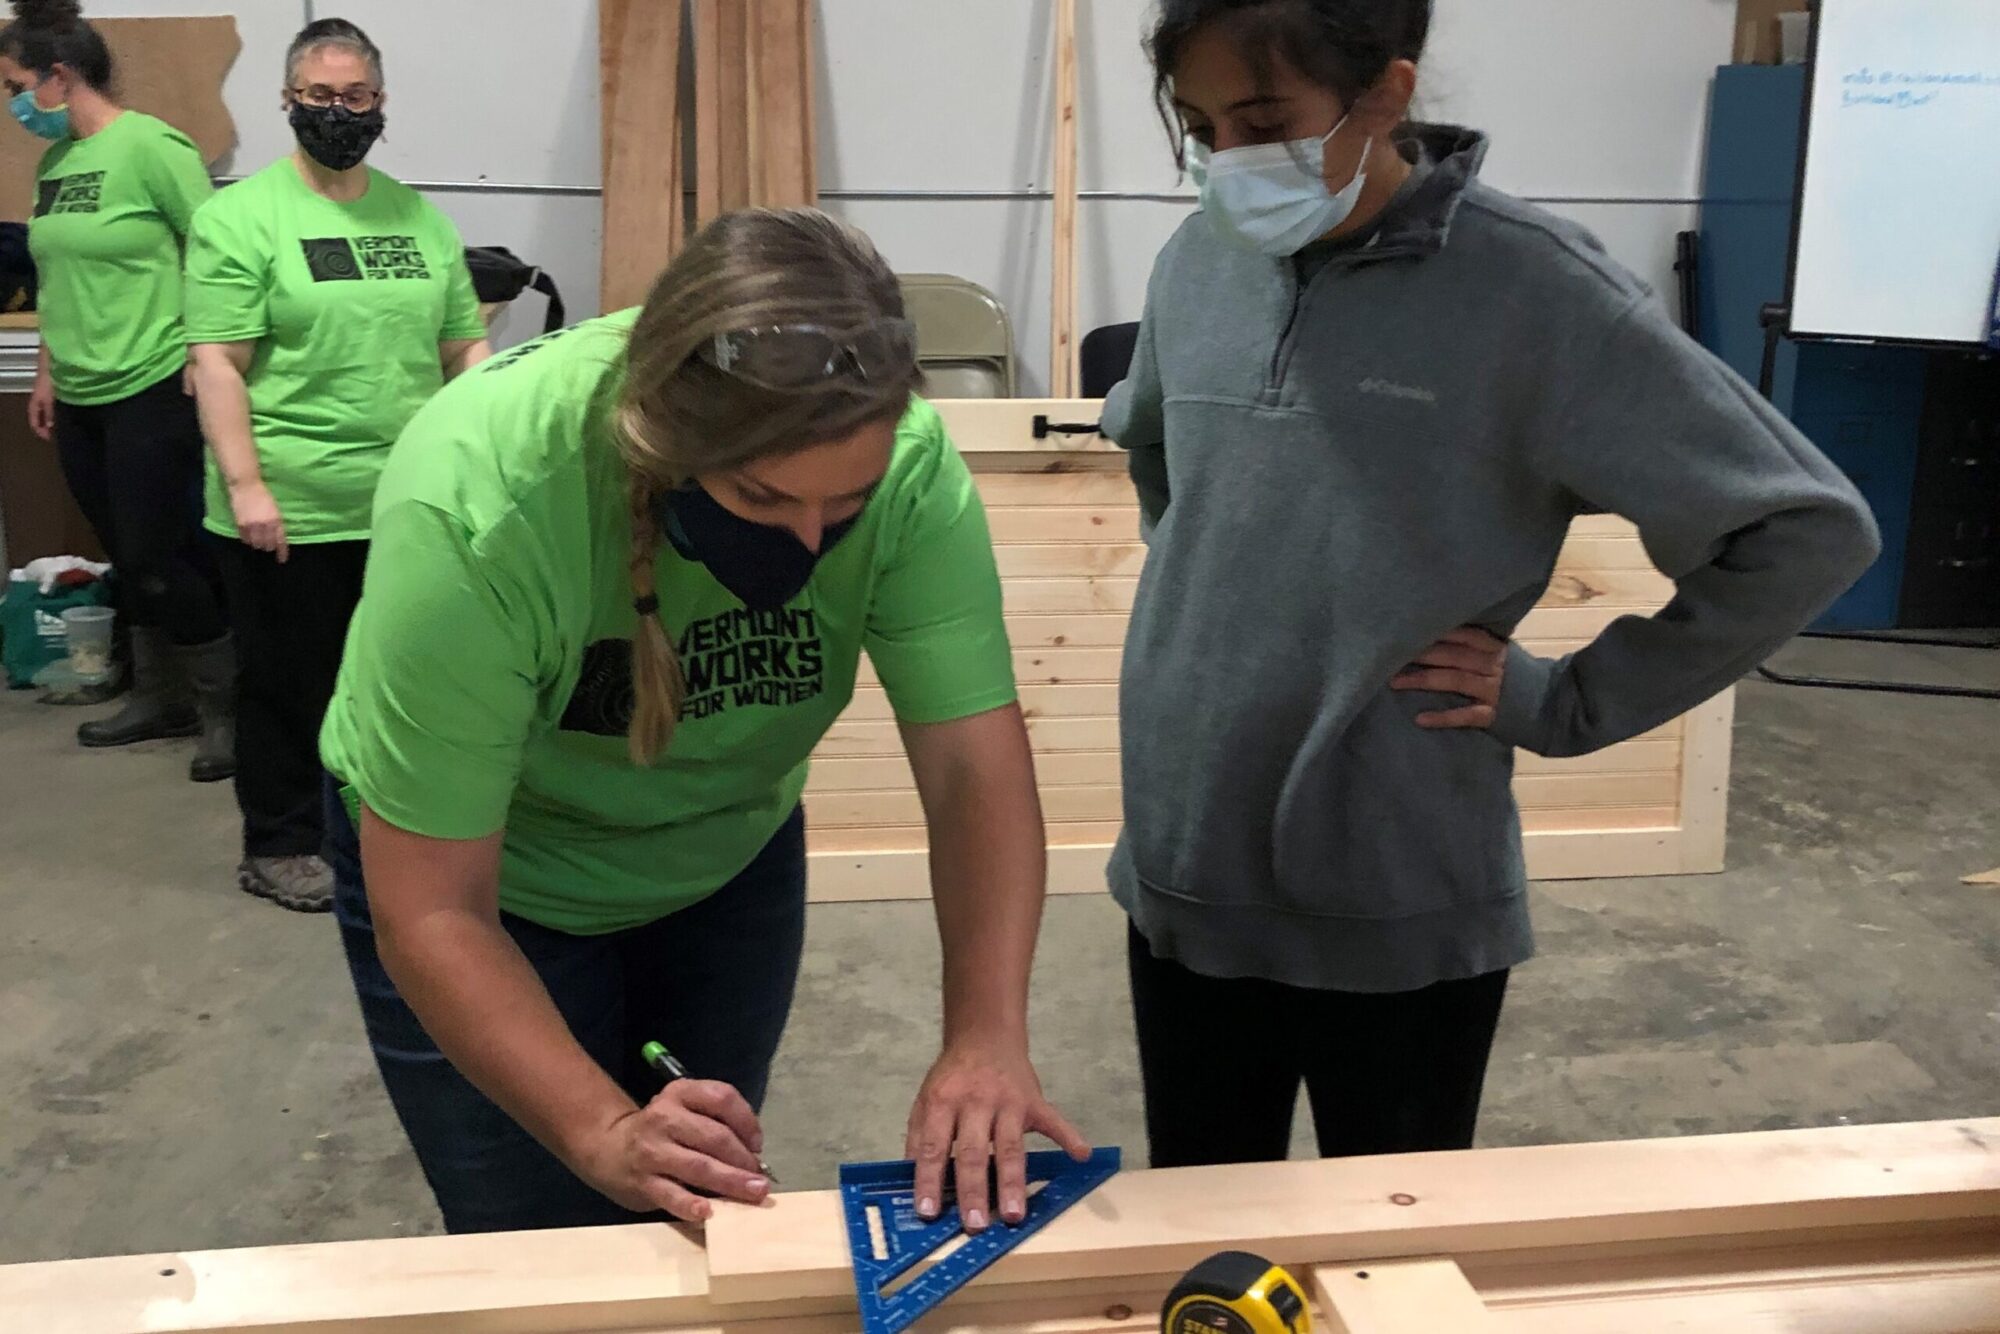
(335,137)
(761,566)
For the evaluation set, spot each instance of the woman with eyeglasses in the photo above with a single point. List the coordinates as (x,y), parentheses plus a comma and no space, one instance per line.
(114,196)
(326,303)
(621,584)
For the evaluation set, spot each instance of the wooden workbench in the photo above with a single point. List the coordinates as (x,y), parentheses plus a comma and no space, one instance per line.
(1852,1230)
(1066,529)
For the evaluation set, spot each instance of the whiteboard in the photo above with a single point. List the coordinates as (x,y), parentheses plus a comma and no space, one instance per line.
(1899,213)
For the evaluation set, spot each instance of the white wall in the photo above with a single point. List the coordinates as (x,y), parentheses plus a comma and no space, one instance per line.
(1597,108)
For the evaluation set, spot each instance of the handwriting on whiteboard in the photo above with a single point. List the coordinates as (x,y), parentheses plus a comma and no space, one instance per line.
(1908,89)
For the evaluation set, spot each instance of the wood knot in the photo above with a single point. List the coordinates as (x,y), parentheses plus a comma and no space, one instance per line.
(1572,590)
(1119,1312)
(1405,1200)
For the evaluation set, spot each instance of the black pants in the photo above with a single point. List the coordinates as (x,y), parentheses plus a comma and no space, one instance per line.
(1222,1062)
(291,623)
(134,467)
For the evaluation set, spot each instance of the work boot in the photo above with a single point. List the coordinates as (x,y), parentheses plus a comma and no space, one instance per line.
(211,670)
(302,884)
(158,704)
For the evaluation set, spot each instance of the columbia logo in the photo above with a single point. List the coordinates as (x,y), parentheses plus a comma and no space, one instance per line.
(1407,392)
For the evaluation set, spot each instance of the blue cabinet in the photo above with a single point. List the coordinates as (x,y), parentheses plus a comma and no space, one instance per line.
(1862,405)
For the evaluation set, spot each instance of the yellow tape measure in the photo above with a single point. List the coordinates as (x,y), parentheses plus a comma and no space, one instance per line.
(1236,1293)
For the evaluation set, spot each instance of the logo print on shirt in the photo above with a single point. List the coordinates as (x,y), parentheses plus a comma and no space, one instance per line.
(342,259)
(750,659)
(738,660)
(69,194)
(1409,393)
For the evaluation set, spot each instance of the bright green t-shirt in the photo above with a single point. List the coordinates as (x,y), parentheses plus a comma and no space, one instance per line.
(487,678)
(110,215)
(347,304)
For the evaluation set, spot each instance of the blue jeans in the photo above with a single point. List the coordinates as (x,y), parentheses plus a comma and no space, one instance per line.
(714,982)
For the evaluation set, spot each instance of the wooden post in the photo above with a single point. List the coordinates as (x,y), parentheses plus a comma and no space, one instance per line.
(1062,333)
(639,61)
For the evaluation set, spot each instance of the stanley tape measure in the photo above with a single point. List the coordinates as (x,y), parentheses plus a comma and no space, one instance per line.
(1236,1293)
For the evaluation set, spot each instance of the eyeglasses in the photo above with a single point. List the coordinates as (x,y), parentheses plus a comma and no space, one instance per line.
(799,356)
(360,101)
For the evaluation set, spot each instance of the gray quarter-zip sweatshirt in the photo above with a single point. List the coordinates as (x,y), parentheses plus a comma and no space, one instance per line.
(1354,467)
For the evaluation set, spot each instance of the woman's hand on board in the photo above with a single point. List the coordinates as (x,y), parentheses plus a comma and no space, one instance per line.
(975,1110)
(258,522)
(1468,662)
(697,1135)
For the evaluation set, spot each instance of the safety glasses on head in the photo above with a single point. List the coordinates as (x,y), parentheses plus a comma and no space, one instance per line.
(801,356)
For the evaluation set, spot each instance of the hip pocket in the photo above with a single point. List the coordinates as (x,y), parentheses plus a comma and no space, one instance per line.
(1394,820)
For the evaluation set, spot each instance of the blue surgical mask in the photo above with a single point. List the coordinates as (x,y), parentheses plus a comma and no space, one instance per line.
(1272,198)
(44,122)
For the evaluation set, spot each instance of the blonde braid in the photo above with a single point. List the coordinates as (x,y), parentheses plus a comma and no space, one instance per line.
(658,683)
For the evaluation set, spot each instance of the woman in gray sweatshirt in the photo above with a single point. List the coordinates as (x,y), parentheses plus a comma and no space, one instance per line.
(1370,396)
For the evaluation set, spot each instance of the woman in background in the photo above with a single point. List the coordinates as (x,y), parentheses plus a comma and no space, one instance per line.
(114,196)
(326,303)
(1377,393)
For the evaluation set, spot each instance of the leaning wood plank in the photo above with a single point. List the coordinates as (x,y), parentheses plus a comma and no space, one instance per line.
(1063,315)
(722,107)
(1399,1297)
(639,51)
(1497,1199)
(783,173)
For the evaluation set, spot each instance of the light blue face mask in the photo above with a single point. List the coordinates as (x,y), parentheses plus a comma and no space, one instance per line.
(1273,198)
(43,122)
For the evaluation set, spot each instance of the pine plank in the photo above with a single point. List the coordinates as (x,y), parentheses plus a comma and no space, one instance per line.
(1459,1204)
(1400,1297)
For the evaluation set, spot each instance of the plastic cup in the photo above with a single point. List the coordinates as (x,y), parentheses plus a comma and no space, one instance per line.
(88,633)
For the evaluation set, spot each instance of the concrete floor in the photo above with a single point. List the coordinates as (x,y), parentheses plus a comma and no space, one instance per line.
(185,1067)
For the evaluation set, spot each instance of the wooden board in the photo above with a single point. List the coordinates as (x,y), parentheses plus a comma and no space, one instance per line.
(639,58)
(1063,366)
(1399,1296)
(1305,1214)
(755,139)
(1065,527)
(1750,1234)
(170,68)
(784,158)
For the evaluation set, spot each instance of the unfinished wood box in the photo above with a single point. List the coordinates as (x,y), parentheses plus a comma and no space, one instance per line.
(1066,530)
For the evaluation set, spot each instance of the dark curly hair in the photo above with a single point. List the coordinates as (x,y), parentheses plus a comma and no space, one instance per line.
(48,33)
